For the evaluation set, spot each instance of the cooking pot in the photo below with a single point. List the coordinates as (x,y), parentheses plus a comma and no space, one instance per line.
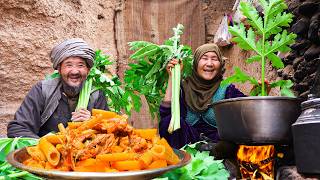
(257,120)
(306,137)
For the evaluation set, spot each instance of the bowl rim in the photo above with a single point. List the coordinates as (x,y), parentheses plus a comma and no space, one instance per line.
(257,98)
(185,158)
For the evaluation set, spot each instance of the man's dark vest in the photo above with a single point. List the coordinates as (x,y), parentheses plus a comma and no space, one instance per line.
(51,91)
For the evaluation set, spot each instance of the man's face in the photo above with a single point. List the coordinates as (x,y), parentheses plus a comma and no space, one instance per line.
(73,71)
(209,66)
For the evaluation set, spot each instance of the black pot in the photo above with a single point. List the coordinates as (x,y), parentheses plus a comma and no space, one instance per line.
(257,120)
(306,138)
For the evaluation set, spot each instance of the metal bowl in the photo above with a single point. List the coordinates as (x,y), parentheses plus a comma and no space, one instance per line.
(257,120)
(16,158)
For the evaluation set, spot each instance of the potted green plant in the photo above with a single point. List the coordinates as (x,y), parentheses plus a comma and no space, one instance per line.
(260,118)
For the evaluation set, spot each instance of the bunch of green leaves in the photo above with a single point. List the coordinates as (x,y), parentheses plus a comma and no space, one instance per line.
(265,37)
(118,99)
(7,171)
(201,167)
(147,75)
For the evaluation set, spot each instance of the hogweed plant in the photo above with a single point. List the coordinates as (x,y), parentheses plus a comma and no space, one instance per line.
(265,36)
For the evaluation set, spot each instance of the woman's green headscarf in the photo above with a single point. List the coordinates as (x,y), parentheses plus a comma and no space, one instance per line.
(198,91)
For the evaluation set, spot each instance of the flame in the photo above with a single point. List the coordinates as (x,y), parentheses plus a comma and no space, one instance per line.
(256,162)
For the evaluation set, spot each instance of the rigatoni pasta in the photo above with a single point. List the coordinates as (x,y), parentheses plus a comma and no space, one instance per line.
(105,143)
(50,152)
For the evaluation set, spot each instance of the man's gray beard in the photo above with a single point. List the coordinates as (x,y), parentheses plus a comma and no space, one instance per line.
(71,91)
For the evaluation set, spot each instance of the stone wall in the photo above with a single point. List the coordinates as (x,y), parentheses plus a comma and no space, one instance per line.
(28,31)
(302,62)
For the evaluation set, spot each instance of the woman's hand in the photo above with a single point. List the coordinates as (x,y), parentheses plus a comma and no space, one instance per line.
(267,86)
(80,115)
(167,97)
(171,65)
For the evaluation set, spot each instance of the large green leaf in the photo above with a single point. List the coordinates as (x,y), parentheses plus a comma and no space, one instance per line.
(244,39)
(202,166)
(135,45)
(253,59)
(280,43)
(275,60)
(273,25)
(146,51)
(253,16)
(272,8)
(239,76)
(285,87)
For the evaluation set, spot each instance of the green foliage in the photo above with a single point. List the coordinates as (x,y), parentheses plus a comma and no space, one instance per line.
(118,98)
(6,170)
(55,74)
(265,37)
(147,75)
(202,167)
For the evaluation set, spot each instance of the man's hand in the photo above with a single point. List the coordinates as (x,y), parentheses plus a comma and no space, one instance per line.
(80,115)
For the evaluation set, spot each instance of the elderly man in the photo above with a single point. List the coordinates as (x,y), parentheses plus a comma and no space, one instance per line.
(53,101)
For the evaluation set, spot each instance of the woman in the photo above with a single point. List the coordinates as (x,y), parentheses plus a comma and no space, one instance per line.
(197,92)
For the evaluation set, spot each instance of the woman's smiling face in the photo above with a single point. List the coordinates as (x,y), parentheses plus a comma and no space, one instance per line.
(209,66)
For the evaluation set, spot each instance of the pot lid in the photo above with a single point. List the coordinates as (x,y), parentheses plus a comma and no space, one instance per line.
(311,102)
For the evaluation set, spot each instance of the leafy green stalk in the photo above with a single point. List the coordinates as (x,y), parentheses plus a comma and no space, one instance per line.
(176,78)
(84,95)
(6,146)
(118,99)
(263,62)
(265,37)
(175,100)
(148,76)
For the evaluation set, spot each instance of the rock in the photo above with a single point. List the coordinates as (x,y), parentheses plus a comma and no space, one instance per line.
(279,72)
(296,62)
(304,95)
(301,26)
(301,87)
(299,74)
(307,80)
(292,55)
(313,75)
(293,4)
(312,53)
(314,29)
(304,43)
(302,65)
(310,81)
(288,71)
(287,61)
(308,8)
(313,63)
(302,51)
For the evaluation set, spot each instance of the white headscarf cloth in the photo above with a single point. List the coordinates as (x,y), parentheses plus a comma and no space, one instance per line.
(75,47)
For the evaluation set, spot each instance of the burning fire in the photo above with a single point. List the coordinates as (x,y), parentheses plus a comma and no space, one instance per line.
(256,162)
